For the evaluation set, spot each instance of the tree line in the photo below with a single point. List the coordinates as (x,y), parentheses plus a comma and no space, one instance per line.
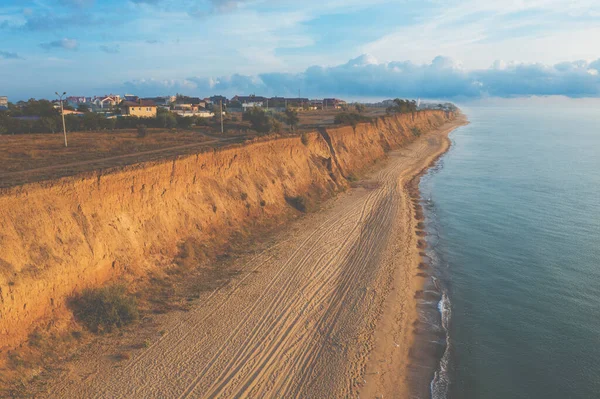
(40,116)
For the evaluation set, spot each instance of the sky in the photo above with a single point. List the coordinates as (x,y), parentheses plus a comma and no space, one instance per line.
(354,49)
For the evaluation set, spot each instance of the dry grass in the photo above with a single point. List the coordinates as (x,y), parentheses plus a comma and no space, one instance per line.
(29,158)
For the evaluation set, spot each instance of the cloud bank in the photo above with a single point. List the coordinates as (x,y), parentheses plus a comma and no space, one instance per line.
(366,77)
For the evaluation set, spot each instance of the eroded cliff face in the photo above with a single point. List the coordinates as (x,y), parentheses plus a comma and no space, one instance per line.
(60,236)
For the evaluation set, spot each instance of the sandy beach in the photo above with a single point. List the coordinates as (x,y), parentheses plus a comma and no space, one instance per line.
(325,310)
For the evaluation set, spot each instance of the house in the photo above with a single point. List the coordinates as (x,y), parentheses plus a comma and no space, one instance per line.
(189,110)
(140,108)
(3,102)
(69,112)
(256,100)
(248,105)
(297,103)
(164,101)
(102,102)
(131,97)
(199,113)
(218,100)
(333,103)
(316,104)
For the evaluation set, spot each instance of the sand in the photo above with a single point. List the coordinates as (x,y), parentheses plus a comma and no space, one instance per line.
(324,311)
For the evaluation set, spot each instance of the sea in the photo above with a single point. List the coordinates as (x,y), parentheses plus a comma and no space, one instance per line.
(513,222)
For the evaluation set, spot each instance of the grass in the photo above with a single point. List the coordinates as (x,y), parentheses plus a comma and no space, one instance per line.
(351,118)
(103,309)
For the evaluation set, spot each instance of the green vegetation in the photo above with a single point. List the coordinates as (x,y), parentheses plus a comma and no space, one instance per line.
(360,108)
(142,131)
(416,131)
(299,202)
(350,118)
(102,309)
(304,138)
(291,118)
(260,121)
(352,177)
(402,107)
(40,116)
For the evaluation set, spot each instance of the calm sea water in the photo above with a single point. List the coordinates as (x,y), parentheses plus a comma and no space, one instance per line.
(514,218)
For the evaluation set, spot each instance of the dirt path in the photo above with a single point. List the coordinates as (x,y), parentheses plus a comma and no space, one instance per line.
(301,318)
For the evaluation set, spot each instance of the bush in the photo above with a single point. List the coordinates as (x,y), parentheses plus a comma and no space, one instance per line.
(350,118)
(102,309)
(304,138)
(260,121)
(142,131)
(299,202)
(416,131)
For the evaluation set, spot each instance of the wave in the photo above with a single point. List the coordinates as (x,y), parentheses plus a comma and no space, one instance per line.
(440,384)
(441,379)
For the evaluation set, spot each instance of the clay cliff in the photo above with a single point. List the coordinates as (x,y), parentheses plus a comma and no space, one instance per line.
(60,236)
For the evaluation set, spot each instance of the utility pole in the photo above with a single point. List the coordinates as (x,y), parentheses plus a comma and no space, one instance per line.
(62,112)
(222,117)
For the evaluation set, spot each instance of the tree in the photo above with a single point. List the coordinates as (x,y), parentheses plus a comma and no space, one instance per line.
(259,120)
(49,124)
(41,108)
(360,108)
(91,121)
(183,122)
(402,107)
(83,108)
(291,118)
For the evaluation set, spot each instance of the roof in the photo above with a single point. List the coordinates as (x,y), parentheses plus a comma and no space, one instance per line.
(141,103)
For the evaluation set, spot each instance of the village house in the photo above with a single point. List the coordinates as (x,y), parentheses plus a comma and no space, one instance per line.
(130,97)
(3,102)
(192,110)
(106,101)
(253,101)
(333,103)
(140,108)
(75,101)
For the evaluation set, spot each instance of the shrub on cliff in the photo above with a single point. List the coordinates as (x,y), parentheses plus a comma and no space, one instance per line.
(350,118)
(304,138)
(102,309)
(299,202)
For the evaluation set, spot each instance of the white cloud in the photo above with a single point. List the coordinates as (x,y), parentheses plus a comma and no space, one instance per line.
(479,32)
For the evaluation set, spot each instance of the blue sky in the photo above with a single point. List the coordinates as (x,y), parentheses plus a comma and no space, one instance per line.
(351,48)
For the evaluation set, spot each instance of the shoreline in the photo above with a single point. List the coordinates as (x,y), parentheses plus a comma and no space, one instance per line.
(391,363)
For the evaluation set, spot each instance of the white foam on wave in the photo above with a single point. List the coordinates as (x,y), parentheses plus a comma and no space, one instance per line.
(441,379)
